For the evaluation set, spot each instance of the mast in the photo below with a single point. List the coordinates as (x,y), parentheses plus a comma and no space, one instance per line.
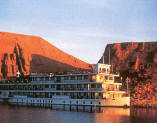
(103,58)
(127,85)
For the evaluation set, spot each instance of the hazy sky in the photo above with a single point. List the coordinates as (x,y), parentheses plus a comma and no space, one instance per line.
(81,28)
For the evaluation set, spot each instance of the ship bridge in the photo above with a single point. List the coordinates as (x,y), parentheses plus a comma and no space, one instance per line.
(101,68)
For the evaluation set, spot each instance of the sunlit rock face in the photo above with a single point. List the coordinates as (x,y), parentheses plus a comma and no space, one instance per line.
(138,61)
(33,54)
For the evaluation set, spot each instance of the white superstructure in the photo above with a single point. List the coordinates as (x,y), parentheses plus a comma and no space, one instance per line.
(98,88)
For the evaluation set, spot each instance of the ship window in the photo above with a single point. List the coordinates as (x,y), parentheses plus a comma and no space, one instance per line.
(99,86)
(52,78)
(58,79)
(85,77)
(78,86)
(100,94)
(85,86)
(92,86)
(106,77)
(57,93)
(38,79)
(107,70)
(103,70)
(110,78)
(100,70)
(52,86)
(46,86)
(95,70)
(72,78)
(79,77)
(35,78)
(66,77)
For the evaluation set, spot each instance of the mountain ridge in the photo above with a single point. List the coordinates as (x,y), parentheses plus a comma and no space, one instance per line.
(17,53)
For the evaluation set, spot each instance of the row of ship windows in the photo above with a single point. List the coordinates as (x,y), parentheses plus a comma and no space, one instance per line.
(50,101)
(71,78)
(51,86)
(71,95)
(106,78)
(104,70)
(61,78)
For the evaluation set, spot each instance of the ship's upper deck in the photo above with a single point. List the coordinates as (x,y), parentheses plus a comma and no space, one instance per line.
(100,73)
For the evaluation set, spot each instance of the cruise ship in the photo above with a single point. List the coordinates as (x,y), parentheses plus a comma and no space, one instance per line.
(99,87)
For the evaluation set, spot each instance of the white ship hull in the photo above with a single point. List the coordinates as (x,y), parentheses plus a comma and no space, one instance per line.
(123,102)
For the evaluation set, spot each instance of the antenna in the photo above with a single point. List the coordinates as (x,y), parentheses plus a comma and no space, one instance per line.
(109,56)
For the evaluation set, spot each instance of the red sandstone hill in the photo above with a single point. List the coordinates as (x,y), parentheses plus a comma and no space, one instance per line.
(132,55)
(138,61)
(33,54)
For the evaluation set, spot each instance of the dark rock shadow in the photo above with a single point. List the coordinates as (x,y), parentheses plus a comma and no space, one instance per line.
(41,64)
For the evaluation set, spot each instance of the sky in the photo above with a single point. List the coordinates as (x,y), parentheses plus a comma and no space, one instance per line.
(81,28)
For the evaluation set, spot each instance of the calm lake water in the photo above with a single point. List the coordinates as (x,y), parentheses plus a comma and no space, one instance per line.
(17,114)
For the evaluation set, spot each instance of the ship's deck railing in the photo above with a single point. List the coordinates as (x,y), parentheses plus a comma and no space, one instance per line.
(48,82)
(65,81)
(75,89)
(68,89)
(52,82)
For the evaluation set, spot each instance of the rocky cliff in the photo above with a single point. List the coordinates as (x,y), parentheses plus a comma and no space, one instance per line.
(138,61)
(33,54)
